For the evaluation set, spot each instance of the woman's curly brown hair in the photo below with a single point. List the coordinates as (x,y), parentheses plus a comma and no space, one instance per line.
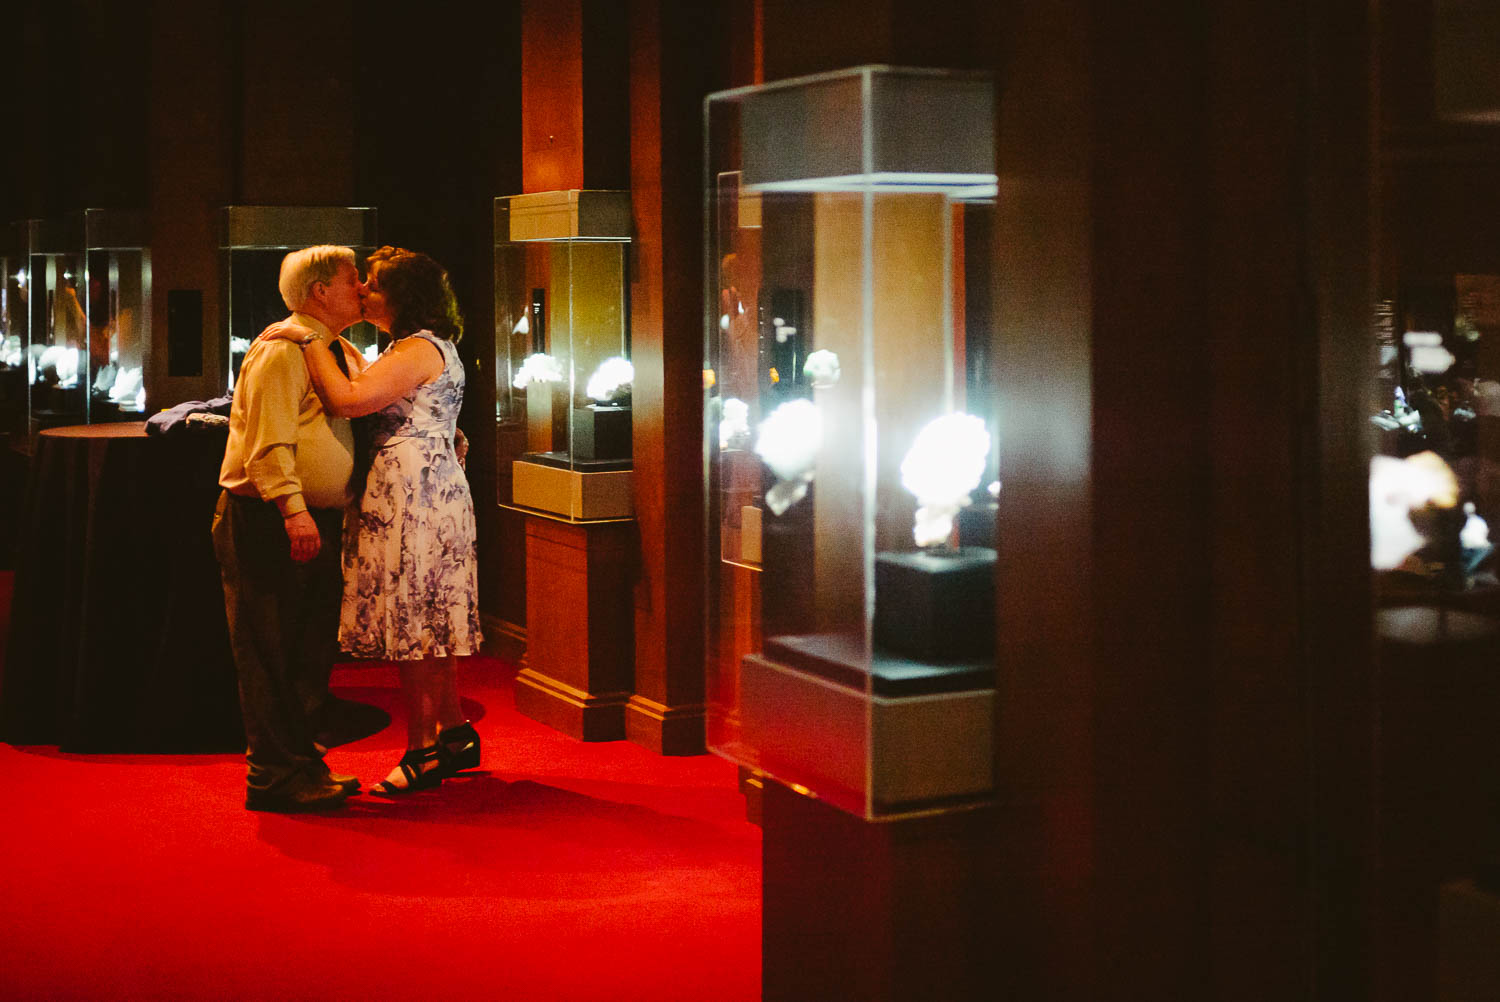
(417,289)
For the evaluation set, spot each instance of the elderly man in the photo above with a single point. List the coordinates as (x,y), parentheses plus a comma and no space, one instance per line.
(277,531)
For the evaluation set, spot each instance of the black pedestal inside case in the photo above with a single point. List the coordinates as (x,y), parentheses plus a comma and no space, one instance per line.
(601,431)
(936,607)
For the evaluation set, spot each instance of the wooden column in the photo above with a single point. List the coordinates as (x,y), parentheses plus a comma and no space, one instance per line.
(672,66)
(854,910)
(193,122)
(577,670)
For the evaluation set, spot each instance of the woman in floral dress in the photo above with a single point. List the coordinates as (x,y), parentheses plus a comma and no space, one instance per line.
(410,570)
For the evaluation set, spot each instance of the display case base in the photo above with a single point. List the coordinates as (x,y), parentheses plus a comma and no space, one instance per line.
(870,753)
(582,715)
(572,493)
(601,433)
(665,730)
(580,632)
(937,607)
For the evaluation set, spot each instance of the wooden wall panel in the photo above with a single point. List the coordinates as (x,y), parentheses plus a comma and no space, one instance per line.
(296,140)
(192,127)
(552,139)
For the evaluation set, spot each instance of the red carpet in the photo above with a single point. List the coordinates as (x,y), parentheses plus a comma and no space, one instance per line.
(562,870)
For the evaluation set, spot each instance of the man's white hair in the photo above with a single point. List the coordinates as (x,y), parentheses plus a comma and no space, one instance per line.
(301,268)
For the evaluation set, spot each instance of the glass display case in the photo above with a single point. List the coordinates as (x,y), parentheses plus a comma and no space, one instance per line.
(113,247)
(56,325)
(562,347)
(851,436)
(253,241)
(13,338)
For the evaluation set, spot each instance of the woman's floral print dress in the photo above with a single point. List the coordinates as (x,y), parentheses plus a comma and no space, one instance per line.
(410,570)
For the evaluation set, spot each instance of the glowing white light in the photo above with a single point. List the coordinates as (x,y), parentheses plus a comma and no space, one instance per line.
(612,379)
(67,276)
(1475,534)
(10,351)
(994,488)
(1433,360)
(537,368)
(1427,351)
(63,362)
(943,466)
(822,368)
(734,423)
(723,321)
(371,352)
(523,326)
(239,345)
(788,441)
(1397,486)
(21,278)
(127,385)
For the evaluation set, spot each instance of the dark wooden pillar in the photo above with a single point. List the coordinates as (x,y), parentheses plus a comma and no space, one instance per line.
(855,910)
(672,66)
(193,126)
(577,669)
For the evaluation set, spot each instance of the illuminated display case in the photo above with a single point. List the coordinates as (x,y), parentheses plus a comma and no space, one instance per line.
(851,436)
(116,300)
(562,345)
(253,241)
(56,325)
(13,334)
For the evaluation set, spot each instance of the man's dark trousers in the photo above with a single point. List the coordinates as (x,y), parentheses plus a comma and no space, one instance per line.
(283,630)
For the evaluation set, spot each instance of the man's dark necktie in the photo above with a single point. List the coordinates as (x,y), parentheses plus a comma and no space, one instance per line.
(360,426)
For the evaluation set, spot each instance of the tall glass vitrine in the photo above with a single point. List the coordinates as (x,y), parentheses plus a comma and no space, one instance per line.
(114,248)
(562,350)
(56,329)
(14,325)
(851,437)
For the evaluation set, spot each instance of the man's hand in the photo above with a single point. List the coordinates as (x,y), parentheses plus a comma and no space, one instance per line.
(287,330)
(303,532)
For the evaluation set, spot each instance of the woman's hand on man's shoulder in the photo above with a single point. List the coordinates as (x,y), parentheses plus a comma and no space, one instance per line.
(287,330)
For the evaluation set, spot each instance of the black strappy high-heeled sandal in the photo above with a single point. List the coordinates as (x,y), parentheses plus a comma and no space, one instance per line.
(421,768)
(459,747)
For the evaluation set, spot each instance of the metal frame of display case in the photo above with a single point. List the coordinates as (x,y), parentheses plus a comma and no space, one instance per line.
(278,230)
(845,660)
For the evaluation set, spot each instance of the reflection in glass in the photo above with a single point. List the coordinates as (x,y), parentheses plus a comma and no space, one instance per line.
(253,241)
(1435,477)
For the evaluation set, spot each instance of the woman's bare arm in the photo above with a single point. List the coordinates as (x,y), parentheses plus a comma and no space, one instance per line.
(410,363)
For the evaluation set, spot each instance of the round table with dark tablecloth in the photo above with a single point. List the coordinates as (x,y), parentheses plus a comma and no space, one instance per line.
(118,640)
